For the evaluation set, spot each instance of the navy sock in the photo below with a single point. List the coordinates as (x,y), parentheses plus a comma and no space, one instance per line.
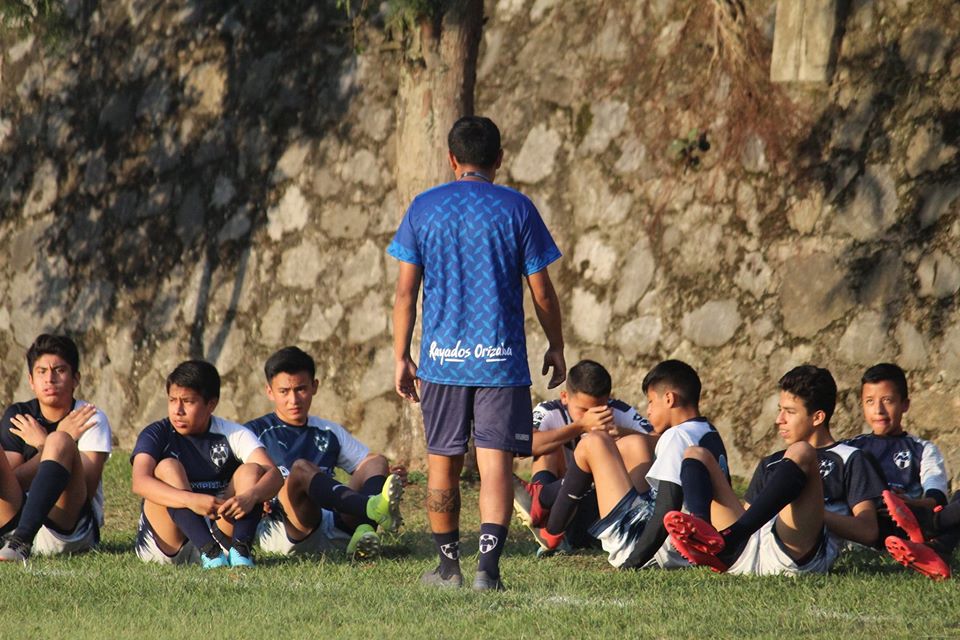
(573,487)
(697,488)
(373,486)
(194,527)
(244,529)
(548,495)
(448,548)
(784,485)
(492,539)
(330,494)
(948,518)
(50,481)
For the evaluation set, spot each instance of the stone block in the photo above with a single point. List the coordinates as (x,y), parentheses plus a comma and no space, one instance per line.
(290,214)
(713,324)
(804,41)
(874,207)
(302,265)
(609,117)
(814,293)
(537,157)
(639,336)
(594,258)
(361,270)
(368,319)
(865,340)
(205,89)
(913,347)
(322,322)
(635,276)
(939,275)
(589,316)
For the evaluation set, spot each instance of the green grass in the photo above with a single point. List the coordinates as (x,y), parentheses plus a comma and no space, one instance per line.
(111,594)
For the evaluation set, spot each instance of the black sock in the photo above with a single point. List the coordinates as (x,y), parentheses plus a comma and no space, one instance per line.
(550,490)
(948,518)
(544,477)
(244,529)
(330,494)
(492,539)
(448,548)
(50,481)
(784,485)
(373,486)
(697,488)
(573,487)
(195,528)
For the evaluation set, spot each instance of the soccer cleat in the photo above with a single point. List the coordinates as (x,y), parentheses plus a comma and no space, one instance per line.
(903,516)
(694,532)
(384,508)
(918,557)
(526,500)
(435,579)
(364,544)
(696,556)
(216,562)
(483,581)
(239,559)
(15,550)
(561,546)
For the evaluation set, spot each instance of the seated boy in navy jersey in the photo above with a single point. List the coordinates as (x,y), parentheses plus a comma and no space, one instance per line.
(584,406)
(912,467)
(799,501)
(631,527)
(54,447)
(313,512)
(193,467)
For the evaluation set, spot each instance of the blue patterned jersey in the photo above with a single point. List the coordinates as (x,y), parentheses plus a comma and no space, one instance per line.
(321,442)
(475,242)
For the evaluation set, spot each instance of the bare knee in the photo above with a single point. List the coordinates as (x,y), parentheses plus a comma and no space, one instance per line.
(375,465)
(803,454)
(247,475)
(59,446)
(171,471)
(301,472)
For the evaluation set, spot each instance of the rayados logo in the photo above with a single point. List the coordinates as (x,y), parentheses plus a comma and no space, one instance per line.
(459,353)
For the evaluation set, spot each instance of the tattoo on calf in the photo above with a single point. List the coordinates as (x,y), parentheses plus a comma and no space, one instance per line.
(443,500)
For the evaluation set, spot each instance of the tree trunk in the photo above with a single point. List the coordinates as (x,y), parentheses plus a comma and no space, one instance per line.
(436,88)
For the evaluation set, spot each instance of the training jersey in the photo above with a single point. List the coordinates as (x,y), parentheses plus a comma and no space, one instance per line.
(210,459)
(908,463)
(475,242)
(552,414)
(848,477)
(97,439)
(673,443)
(326,444)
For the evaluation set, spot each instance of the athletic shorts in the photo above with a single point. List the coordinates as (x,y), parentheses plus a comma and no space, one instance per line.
(272,536)
(148,550)
(765,555)
(620,530)
(502,418)
(84,537)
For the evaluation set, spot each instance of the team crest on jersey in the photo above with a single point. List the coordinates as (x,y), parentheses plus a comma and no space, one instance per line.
(826,468)
(538,416)
(488,543)
(902,459)
(218,454)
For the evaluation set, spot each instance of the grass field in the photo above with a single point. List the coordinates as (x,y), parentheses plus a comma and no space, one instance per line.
(111,594)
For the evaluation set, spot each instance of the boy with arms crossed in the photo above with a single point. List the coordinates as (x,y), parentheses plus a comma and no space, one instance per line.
(313,512)
(798,502)
(584,406)
(193,467)
(631,526)
(54,451)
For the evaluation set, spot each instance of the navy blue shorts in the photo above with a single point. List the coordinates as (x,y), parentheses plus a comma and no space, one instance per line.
(502,418)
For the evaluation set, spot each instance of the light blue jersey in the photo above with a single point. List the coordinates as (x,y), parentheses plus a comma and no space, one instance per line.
(475,242)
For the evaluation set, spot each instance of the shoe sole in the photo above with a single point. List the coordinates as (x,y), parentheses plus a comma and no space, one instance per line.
(679,526)
(903,517)
(697,557)
(522,502)
(368,547)
(935,569)
(394,495)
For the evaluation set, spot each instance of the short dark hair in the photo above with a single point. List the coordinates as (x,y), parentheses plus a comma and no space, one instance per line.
(198,375)
(60,346)
(886,372)
(815,387)
(289,360)
(475,140)
(589,377)
(679,376)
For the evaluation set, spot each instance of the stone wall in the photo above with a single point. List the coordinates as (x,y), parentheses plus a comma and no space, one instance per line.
(187,179)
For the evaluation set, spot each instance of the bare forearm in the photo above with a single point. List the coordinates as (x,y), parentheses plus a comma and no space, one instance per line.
(158,492)
(545,442)
(547,307)
(404,319)
(862,529)
(268,485)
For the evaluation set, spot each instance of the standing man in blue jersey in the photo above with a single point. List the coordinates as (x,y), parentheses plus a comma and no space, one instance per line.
(472,244)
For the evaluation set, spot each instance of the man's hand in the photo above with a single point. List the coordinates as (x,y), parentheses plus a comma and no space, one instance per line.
(400,471)
(204,505)
(238,506)
(79,421)
(597,419)
(29,430)
(405,380)
(553,358)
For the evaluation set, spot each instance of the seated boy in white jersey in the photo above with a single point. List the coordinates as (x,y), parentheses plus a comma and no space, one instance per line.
(54,449)
(584,406)
(799,501)
(631,527)
(313,512)
(193,467)
(913,469)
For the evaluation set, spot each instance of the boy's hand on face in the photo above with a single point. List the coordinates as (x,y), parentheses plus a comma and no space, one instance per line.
(238,506)
(78,421)
(29,430)
(204,505)
(597,419)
